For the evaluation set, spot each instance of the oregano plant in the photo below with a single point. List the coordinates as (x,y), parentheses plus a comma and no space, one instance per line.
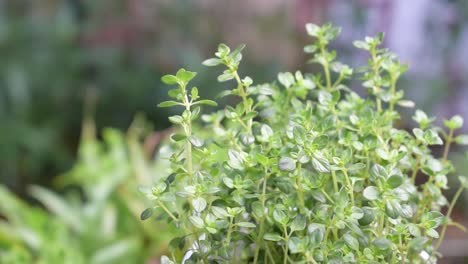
(303,169)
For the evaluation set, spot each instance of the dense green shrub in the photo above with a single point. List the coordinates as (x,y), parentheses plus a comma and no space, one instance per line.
(304,170)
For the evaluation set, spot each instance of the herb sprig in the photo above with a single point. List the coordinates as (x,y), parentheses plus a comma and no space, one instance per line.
(304,170)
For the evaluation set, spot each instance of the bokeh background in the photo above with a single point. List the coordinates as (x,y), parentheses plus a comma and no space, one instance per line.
(71,68)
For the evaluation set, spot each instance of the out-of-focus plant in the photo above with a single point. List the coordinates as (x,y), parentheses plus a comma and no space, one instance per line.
(304,170)
(98,222)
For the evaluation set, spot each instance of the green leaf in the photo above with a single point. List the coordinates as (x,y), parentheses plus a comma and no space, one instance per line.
(219,212)
(226,76)
(199,204)
(312,29)
(297,245)
(395,181)
(310,48)
(432,233)
(432,138)
(177,243)
(417,243)
(368,217)
(211,62)
(228,182)
(382,243)
(169,79)
(197,221)
(299,223)
(454,123)
(257,209)
(223,50)
(463,181)
(352,242)
(206,102)
(286,164)
(246,224)
(196,142)
(166,260)
(168,104)
(147,213)
(280,217)
(286,79)
(178,137)
(236,159)
(176,119)
(320,163)
(361,45)
(462,140)
(371,193)
(185,76)
(272,237)
(378,171)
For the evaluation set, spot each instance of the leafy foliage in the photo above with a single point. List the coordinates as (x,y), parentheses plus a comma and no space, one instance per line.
(304,170)
(103,225)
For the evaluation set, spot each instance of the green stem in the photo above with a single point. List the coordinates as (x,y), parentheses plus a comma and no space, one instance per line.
(350,186)
(228,239)
(188,133)
(300,191)
(243,95)
(325,68)
(447,145)
(376,72)
(335,181)
(392,92)
(167,211)
(286,242)
(258,242)
(449,212)
(381,223)
(327,196)
(416,169)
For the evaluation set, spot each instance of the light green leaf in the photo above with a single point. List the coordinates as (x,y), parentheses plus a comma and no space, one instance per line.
(168,104)
(211,62)
(169,79)
(286,164)
(371,193)
(199,204)
(272,237)
(246,224)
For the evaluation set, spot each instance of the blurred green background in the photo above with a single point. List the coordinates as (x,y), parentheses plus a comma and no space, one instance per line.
(64,60)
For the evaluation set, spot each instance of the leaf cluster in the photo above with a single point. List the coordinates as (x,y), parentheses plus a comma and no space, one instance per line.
(303,169)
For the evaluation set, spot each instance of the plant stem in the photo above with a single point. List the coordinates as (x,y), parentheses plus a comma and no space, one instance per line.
(447,145)
(350,186)
(335,182)
(243,95)
(415,170)
(258,242)
(300,191)
(325,68)
(381,223)
(376,72)
(188,133)
(449,212)
(228,239)
(286,242)
(167,211)
(392,92)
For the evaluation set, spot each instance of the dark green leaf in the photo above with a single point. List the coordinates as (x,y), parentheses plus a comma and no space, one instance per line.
(147,213)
